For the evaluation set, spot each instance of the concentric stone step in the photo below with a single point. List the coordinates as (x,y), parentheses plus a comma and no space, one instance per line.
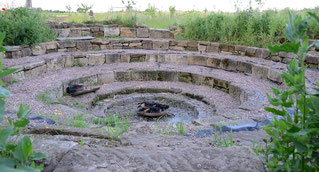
(33,66)
(154,44)
(53,84)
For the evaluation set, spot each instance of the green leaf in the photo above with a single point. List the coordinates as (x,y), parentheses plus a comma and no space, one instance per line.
(301,148)
(276,111)
(9,162)
(8,169)
(287,48)
(2,109)
(39,156)
(23,112)
(27,146)
(23,150)
(314,15)
(29,169)
(4,93)
(7,72)
(4,135)
(21,123)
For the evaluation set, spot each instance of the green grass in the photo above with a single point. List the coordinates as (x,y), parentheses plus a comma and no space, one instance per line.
(78,64)
(78,121)
(44,98)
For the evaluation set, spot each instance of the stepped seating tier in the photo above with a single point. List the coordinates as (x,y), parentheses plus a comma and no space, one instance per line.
(154,44)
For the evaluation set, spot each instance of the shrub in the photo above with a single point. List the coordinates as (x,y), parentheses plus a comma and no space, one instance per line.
(15,153)
(246,27)
(294,143)
(24,27)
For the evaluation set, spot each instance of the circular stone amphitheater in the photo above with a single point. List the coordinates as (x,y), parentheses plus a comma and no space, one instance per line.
(210,88)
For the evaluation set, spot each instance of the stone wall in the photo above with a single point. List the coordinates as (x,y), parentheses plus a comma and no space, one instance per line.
(75,30)
(312,59)
(92,59)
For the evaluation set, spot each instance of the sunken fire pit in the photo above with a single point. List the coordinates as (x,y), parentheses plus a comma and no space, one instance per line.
(151,109)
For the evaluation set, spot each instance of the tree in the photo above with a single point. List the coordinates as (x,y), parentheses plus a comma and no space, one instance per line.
(68,8)
(172,10)
(28,3)
(128,4)
(84,8)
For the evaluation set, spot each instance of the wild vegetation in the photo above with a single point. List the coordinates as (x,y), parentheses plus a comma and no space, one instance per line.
(16,151)
(294,137)
(24,27)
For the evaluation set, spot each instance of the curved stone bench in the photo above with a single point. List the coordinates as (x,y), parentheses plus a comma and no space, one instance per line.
(154,44)
(53,84)
(262,70)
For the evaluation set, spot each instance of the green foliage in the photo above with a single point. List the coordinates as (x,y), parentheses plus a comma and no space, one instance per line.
(180,128)
(294,143)
(15,153)
(221,140)
(172,11)
(115,125)
(78,121)
(84,8)
(78,64)
(44,98)
(24,27)
(150,11)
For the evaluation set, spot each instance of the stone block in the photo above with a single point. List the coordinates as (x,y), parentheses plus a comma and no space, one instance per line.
(142,32)
(127,32)
(38,50)
(66,44)
(69,60)
(83,45)
(35,71)
(229,64)
(137,58)
(213,47)
(312,58)
(260,71)
(182,43)
(125,58)
(111,31)
(51,45)
(62,32)
(96,59)
(75,32)
(112,58)
(244,67)
(274,75)
(144,75)
(160,45)
(251,51)
(176,58)
(161,34)
(214,62)
(32,65)
(122,76)
(167,76)
(26,52)
(198,60)
(99,41)
(262,53)
(55,63)
(106,78)
(83,61)
(177,48)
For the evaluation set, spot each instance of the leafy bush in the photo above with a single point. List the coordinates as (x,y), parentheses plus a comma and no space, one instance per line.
(24,27)
(247,27)
(15,153)
(294,143)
